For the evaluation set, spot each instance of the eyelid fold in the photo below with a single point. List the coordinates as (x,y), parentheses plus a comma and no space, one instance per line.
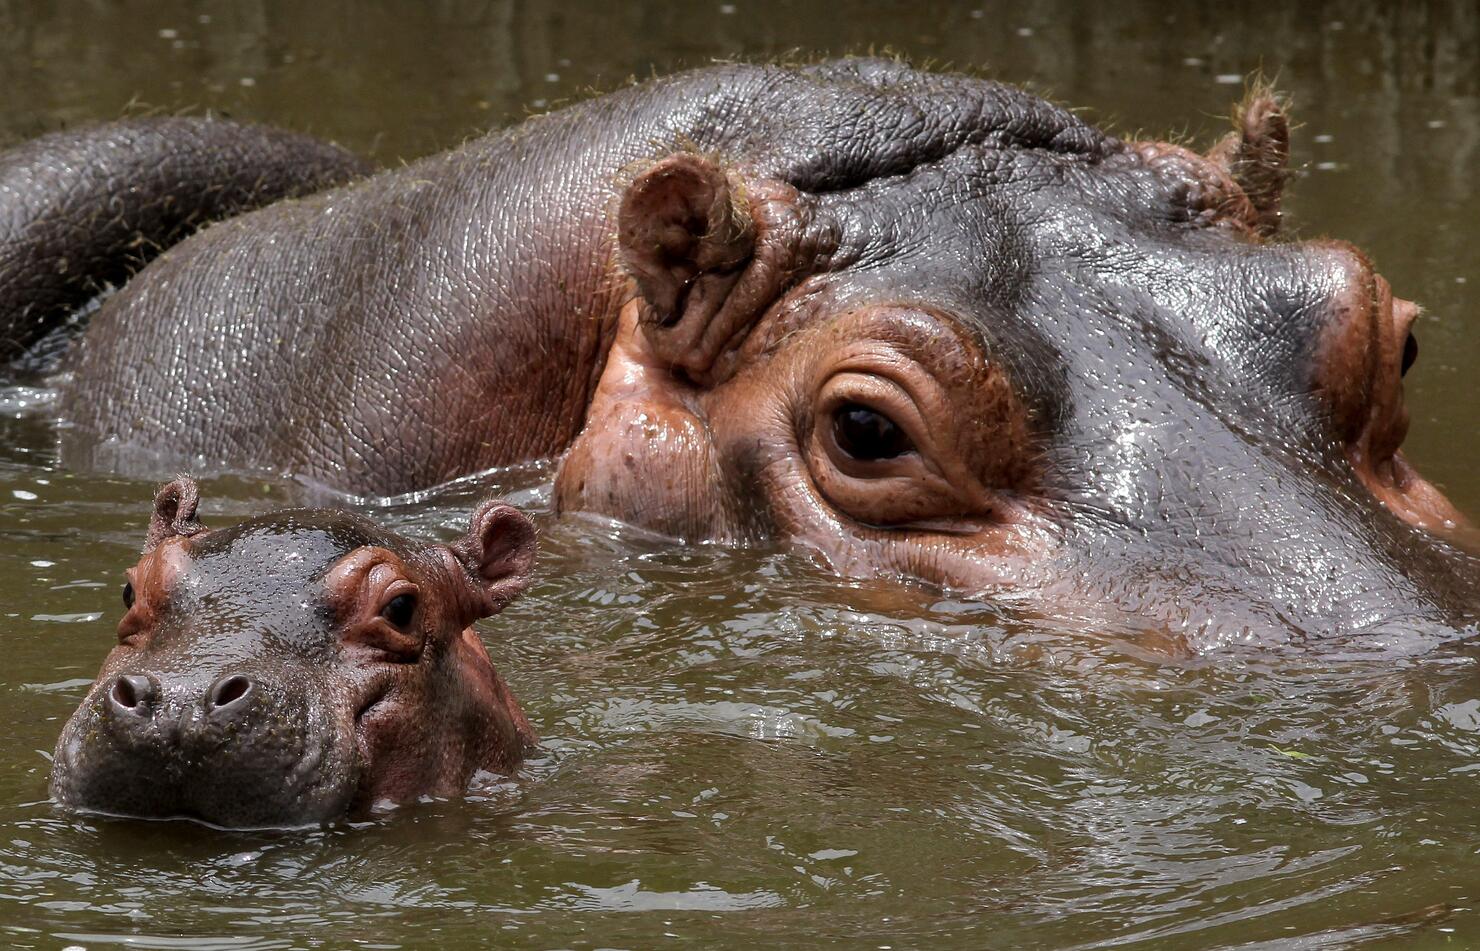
(132,621)
(152,578)
(359,587)
(896,360)
(383,584)
(890,491)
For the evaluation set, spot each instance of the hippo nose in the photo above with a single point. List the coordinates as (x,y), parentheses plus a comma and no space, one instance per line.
(229,695)
(133,694)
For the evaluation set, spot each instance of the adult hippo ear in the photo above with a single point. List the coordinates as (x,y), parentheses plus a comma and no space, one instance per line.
(708,252)
(498,554)
(1256,156)
(174,512)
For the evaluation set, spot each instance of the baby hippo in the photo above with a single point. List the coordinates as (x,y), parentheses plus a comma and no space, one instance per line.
(296,668)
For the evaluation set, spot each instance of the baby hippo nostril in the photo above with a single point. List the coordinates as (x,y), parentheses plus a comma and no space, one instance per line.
(228,693)
(131,693)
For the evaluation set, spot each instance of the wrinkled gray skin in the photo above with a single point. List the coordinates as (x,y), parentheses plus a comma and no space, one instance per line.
(1190,423)
(80,211)
(258,683)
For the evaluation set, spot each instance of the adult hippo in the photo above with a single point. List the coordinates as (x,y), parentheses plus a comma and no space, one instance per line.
(928,326)
(296,668)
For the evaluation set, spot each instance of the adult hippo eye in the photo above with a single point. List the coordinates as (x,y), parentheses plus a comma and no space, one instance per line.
(399,610)
(1410,353)
(128,595)
(866,434)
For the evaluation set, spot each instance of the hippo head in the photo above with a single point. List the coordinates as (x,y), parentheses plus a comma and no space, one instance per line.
(295,668)
(1005,353)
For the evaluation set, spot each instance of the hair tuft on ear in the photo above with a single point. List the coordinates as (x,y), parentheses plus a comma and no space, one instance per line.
(1256,153)
(174,512)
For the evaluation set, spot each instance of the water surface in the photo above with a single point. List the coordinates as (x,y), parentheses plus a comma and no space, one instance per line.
(739,748)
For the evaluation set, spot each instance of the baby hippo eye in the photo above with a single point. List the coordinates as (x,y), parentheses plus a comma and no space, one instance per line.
(128,595)
(399,610)
(867,434)
(1410,354)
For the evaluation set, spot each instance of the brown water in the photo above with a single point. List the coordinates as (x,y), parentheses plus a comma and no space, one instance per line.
(739,749)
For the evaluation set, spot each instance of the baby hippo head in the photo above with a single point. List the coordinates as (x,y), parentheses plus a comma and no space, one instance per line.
(296,668)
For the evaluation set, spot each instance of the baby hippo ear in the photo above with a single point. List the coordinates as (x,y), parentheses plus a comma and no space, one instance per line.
(174,512)
(499,553)
(679,220)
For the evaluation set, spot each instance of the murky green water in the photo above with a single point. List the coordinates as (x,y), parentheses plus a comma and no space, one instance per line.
(741,750)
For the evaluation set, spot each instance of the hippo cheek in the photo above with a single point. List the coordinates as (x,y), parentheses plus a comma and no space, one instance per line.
(646,454)
(974,556)
(398,746)
(423,728)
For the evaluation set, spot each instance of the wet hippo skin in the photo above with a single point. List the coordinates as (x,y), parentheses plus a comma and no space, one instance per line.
(296,668)
(927,326)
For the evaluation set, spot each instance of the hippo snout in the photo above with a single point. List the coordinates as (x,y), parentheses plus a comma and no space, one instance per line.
(235,750)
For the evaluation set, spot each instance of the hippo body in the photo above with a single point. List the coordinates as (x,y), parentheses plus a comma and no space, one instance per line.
(297,668)
(927,326)
(454,315)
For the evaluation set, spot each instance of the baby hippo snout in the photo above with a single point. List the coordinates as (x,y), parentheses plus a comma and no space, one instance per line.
(236,750)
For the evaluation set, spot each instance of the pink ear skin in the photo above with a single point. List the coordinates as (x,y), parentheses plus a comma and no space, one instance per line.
(499,552)
(708,254)
(174,512)
(678,220)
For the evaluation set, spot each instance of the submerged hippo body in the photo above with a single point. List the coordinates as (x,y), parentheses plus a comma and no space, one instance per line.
(928,326)
(296,668)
